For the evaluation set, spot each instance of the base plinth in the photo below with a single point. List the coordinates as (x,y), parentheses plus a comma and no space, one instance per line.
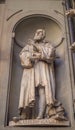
(39,122)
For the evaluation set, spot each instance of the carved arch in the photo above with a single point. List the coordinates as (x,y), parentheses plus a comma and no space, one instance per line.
(18,18)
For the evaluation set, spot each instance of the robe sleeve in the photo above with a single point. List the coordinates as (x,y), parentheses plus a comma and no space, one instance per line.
(48,53)
(25,55)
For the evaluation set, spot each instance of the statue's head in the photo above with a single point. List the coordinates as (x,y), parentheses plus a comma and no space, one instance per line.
(39,35)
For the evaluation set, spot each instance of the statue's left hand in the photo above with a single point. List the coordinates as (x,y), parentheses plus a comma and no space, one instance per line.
(35,56)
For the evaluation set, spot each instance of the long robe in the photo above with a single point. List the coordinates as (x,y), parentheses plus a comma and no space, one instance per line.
(40,73)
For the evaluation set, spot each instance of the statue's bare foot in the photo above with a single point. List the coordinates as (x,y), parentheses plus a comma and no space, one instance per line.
(39,117)
(16,119)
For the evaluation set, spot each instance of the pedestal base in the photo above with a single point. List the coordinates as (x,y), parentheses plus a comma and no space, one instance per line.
(39,122)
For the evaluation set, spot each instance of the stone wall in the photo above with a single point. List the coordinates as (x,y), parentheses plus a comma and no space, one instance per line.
(13,17)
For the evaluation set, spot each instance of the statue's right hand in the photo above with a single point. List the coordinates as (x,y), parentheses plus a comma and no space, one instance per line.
(35,57)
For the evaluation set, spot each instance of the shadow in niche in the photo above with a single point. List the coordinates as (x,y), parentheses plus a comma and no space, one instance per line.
(25,30)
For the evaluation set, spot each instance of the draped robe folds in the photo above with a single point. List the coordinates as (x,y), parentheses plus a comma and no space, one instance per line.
(40,73)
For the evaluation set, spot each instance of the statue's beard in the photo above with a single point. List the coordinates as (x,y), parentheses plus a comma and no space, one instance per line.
(38,39)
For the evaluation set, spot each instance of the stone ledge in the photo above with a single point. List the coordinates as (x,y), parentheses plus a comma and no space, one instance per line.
(39,122)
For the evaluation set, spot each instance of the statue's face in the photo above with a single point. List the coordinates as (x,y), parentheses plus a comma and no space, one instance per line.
(39,35)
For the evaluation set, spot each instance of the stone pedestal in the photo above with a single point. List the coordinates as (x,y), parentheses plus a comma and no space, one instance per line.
(40,122)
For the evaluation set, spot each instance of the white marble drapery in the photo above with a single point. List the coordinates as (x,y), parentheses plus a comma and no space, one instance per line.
(40,73)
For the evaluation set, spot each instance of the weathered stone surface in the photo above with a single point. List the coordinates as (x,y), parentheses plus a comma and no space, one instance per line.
(41,122)
(42,7)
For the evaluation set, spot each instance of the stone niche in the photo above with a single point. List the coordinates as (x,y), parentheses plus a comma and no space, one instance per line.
(24,30)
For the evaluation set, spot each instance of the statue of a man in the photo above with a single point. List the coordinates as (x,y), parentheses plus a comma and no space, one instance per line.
(37,59)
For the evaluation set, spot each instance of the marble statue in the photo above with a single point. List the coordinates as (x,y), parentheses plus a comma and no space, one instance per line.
(72,47)
(37,59)
(70,12)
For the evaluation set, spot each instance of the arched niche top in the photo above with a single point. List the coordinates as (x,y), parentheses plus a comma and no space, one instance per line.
(17,18)
(26,27)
